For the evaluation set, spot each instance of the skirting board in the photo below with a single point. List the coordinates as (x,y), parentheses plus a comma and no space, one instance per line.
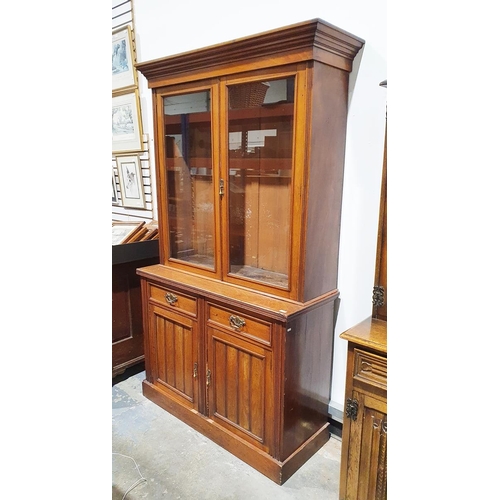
(336,413)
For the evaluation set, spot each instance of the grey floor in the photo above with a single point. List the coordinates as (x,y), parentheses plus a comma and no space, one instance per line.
(156,456)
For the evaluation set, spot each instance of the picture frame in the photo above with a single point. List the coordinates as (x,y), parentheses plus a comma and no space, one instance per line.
(138,235)
(123,232)
(123,70)
(152,231)
(114,195)
(126,123)
(130,177)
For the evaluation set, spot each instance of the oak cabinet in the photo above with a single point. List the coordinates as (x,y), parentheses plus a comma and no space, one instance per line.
(249,155)
(364,435)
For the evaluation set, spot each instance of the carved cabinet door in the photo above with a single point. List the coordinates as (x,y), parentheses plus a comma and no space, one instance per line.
(367,461)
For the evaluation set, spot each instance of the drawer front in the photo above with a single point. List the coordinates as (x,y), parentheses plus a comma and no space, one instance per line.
(245,325)
(173,299)
(370,368)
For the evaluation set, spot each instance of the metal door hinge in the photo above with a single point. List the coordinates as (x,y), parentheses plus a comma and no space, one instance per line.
(208,377)
(378,298)
(351,409)
(221,187)
(195,370)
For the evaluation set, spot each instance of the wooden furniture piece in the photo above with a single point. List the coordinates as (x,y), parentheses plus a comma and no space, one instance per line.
(127,330)
(363,470)
(239,313)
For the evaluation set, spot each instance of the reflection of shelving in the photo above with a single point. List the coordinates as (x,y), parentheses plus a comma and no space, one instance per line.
(236,163)
(193,163)
(275,110)
(199,260)
(261,163)
(256,273)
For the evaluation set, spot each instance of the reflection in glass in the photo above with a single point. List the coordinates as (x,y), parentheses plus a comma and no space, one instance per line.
(188,155)
(260,124)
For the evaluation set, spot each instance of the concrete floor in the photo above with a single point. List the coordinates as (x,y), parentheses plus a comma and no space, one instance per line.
(166,459)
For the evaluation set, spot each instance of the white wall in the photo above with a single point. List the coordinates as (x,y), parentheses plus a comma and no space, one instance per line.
(167,28)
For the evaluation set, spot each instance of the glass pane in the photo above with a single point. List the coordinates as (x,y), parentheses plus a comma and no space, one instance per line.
(260,167)
(188,151)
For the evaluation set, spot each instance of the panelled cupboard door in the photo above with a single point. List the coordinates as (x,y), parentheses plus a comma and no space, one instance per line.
(240,389)
(174,363)
(367,451)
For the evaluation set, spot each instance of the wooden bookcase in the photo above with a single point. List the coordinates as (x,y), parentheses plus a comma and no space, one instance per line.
(239,312)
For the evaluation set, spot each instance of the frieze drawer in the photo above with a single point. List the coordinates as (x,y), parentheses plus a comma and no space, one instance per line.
(243,324)
(173,299)
(370,368)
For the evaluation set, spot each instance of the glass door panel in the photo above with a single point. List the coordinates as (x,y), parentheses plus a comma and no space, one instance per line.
(260,125)
(190,193)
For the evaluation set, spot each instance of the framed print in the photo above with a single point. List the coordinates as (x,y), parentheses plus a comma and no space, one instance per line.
(138,235)
(123,232)
(122,59)
(114,195)
(127,126)
(130,176)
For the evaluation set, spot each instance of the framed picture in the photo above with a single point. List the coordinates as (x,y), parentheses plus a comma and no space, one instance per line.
(114,196)
(138,235)
(127,126)
(122,59)
(131,186)
(123,232)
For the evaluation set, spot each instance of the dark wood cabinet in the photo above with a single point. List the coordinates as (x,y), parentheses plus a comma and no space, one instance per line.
(239,312)
(127,324)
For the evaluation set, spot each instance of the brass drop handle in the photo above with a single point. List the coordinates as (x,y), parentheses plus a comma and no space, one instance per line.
(236,322)
(171,298)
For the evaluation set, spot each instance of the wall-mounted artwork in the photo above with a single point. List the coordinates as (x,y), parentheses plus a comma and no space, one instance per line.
(114,194)
(126,122)
(122,232)
(122,59)
(131,186)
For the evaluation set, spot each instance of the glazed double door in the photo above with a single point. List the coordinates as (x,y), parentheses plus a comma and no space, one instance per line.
(227,178)
(215,372)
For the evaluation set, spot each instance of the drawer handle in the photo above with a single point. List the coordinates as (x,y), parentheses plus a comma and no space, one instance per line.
(236,322)
(171,298)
